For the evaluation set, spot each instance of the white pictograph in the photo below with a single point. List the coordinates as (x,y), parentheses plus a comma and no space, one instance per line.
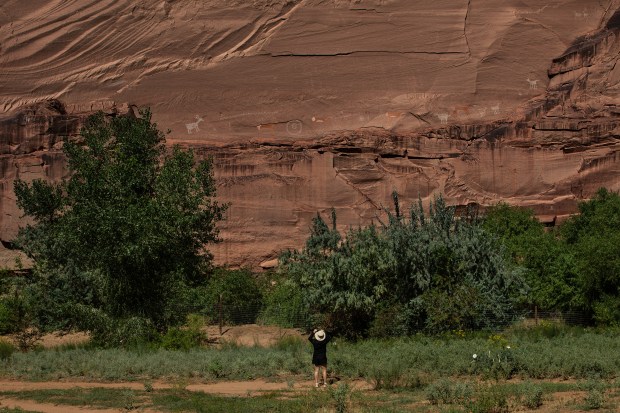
(193,126)
(533,83)
(581,14)
(316,119)
(265,127)
(482,112)
(495,109)
(393,115)
(294,127)
(443,117)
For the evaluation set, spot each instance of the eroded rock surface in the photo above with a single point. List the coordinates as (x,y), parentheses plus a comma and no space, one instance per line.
(311,104)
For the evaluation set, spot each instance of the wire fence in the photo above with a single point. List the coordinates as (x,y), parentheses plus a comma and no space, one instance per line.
(223,315)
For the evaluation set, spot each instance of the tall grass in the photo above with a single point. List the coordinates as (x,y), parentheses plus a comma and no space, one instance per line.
(393,363)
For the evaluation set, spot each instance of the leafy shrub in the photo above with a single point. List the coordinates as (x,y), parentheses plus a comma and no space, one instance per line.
(114,332)
(340,395)
(186,337)
(595,395)
(6,350)
(419,263)
(388,322)
(285,306)
(594,399)
(8,323)
(531,395)
(489,399)
(238,293)
(447,392)
(386,374)
(291,343)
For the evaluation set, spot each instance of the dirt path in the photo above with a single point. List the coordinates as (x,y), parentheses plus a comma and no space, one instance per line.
(230,388)
(53,408)
(226,388)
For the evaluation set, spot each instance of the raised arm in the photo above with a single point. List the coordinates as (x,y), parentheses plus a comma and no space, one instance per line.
(312,335)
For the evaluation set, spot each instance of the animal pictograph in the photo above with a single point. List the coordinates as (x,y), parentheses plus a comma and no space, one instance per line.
(193,126)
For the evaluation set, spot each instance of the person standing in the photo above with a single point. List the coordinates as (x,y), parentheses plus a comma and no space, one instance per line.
(319,339)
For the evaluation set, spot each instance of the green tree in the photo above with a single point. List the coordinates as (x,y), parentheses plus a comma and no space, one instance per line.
(124,236)
(548,262)
(594,238)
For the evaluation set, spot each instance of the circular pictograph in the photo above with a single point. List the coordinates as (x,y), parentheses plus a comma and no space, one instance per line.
(294,127)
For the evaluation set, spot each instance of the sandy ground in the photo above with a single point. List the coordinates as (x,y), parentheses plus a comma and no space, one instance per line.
(245,335)
(555,403)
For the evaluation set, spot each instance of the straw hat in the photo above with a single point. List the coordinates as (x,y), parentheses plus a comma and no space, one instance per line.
(319,335)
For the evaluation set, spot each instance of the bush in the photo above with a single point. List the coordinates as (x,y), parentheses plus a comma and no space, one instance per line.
(340,395)
(489,399)
(446,392)
(239,294)
(285,307)
(444,271)
(6,350)
(388,322)
(107,331)
(531,396)
(8,323)
(184,338)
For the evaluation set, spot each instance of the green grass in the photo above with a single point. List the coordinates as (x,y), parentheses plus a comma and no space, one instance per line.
(389,364)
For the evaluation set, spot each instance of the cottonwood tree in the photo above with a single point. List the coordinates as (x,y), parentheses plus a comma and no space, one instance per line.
(124,236)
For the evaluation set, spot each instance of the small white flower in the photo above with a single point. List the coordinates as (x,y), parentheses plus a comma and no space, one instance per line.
(475,356)
(508,347)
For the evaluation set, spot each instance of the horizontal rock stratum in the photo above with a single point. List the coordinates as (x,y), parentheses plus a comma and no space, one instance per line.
(307,105)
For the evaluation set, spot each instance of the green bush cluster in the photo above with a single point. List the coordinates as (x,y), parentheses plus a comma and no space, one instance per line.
(6,350)
(190,336)
(573,267)
(445,391)
(429,272)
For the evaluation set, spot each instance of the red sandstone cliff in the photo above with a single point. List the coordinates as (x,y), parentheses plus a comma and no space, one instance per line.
(309,104)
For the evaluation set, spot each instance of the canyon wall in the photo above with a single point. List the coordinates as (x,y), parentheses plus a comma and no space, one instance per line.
(307,105)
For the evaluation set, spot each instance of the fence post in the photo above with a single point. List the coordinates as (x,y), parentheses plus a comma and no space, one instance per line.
(536,314)
(220,313)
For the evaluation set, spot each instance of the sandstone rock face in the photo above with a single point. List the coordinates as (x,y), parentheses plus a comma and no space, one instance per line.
(307,105)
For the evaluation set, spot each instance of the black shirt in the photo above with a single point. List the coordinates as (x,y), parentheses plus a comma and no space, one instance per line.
(319,357)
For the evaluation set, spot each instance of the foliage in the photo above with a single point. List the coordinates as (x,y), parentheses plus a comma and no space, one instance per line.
(496,360)
(107,331)
(238,293)
(184,338)
(489,399)
(125,233)
(448,392)
(340,395)
(284,305)
(594,236)
(6,350)
(531,395)
(549,265)
(416,264)
(595,397)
